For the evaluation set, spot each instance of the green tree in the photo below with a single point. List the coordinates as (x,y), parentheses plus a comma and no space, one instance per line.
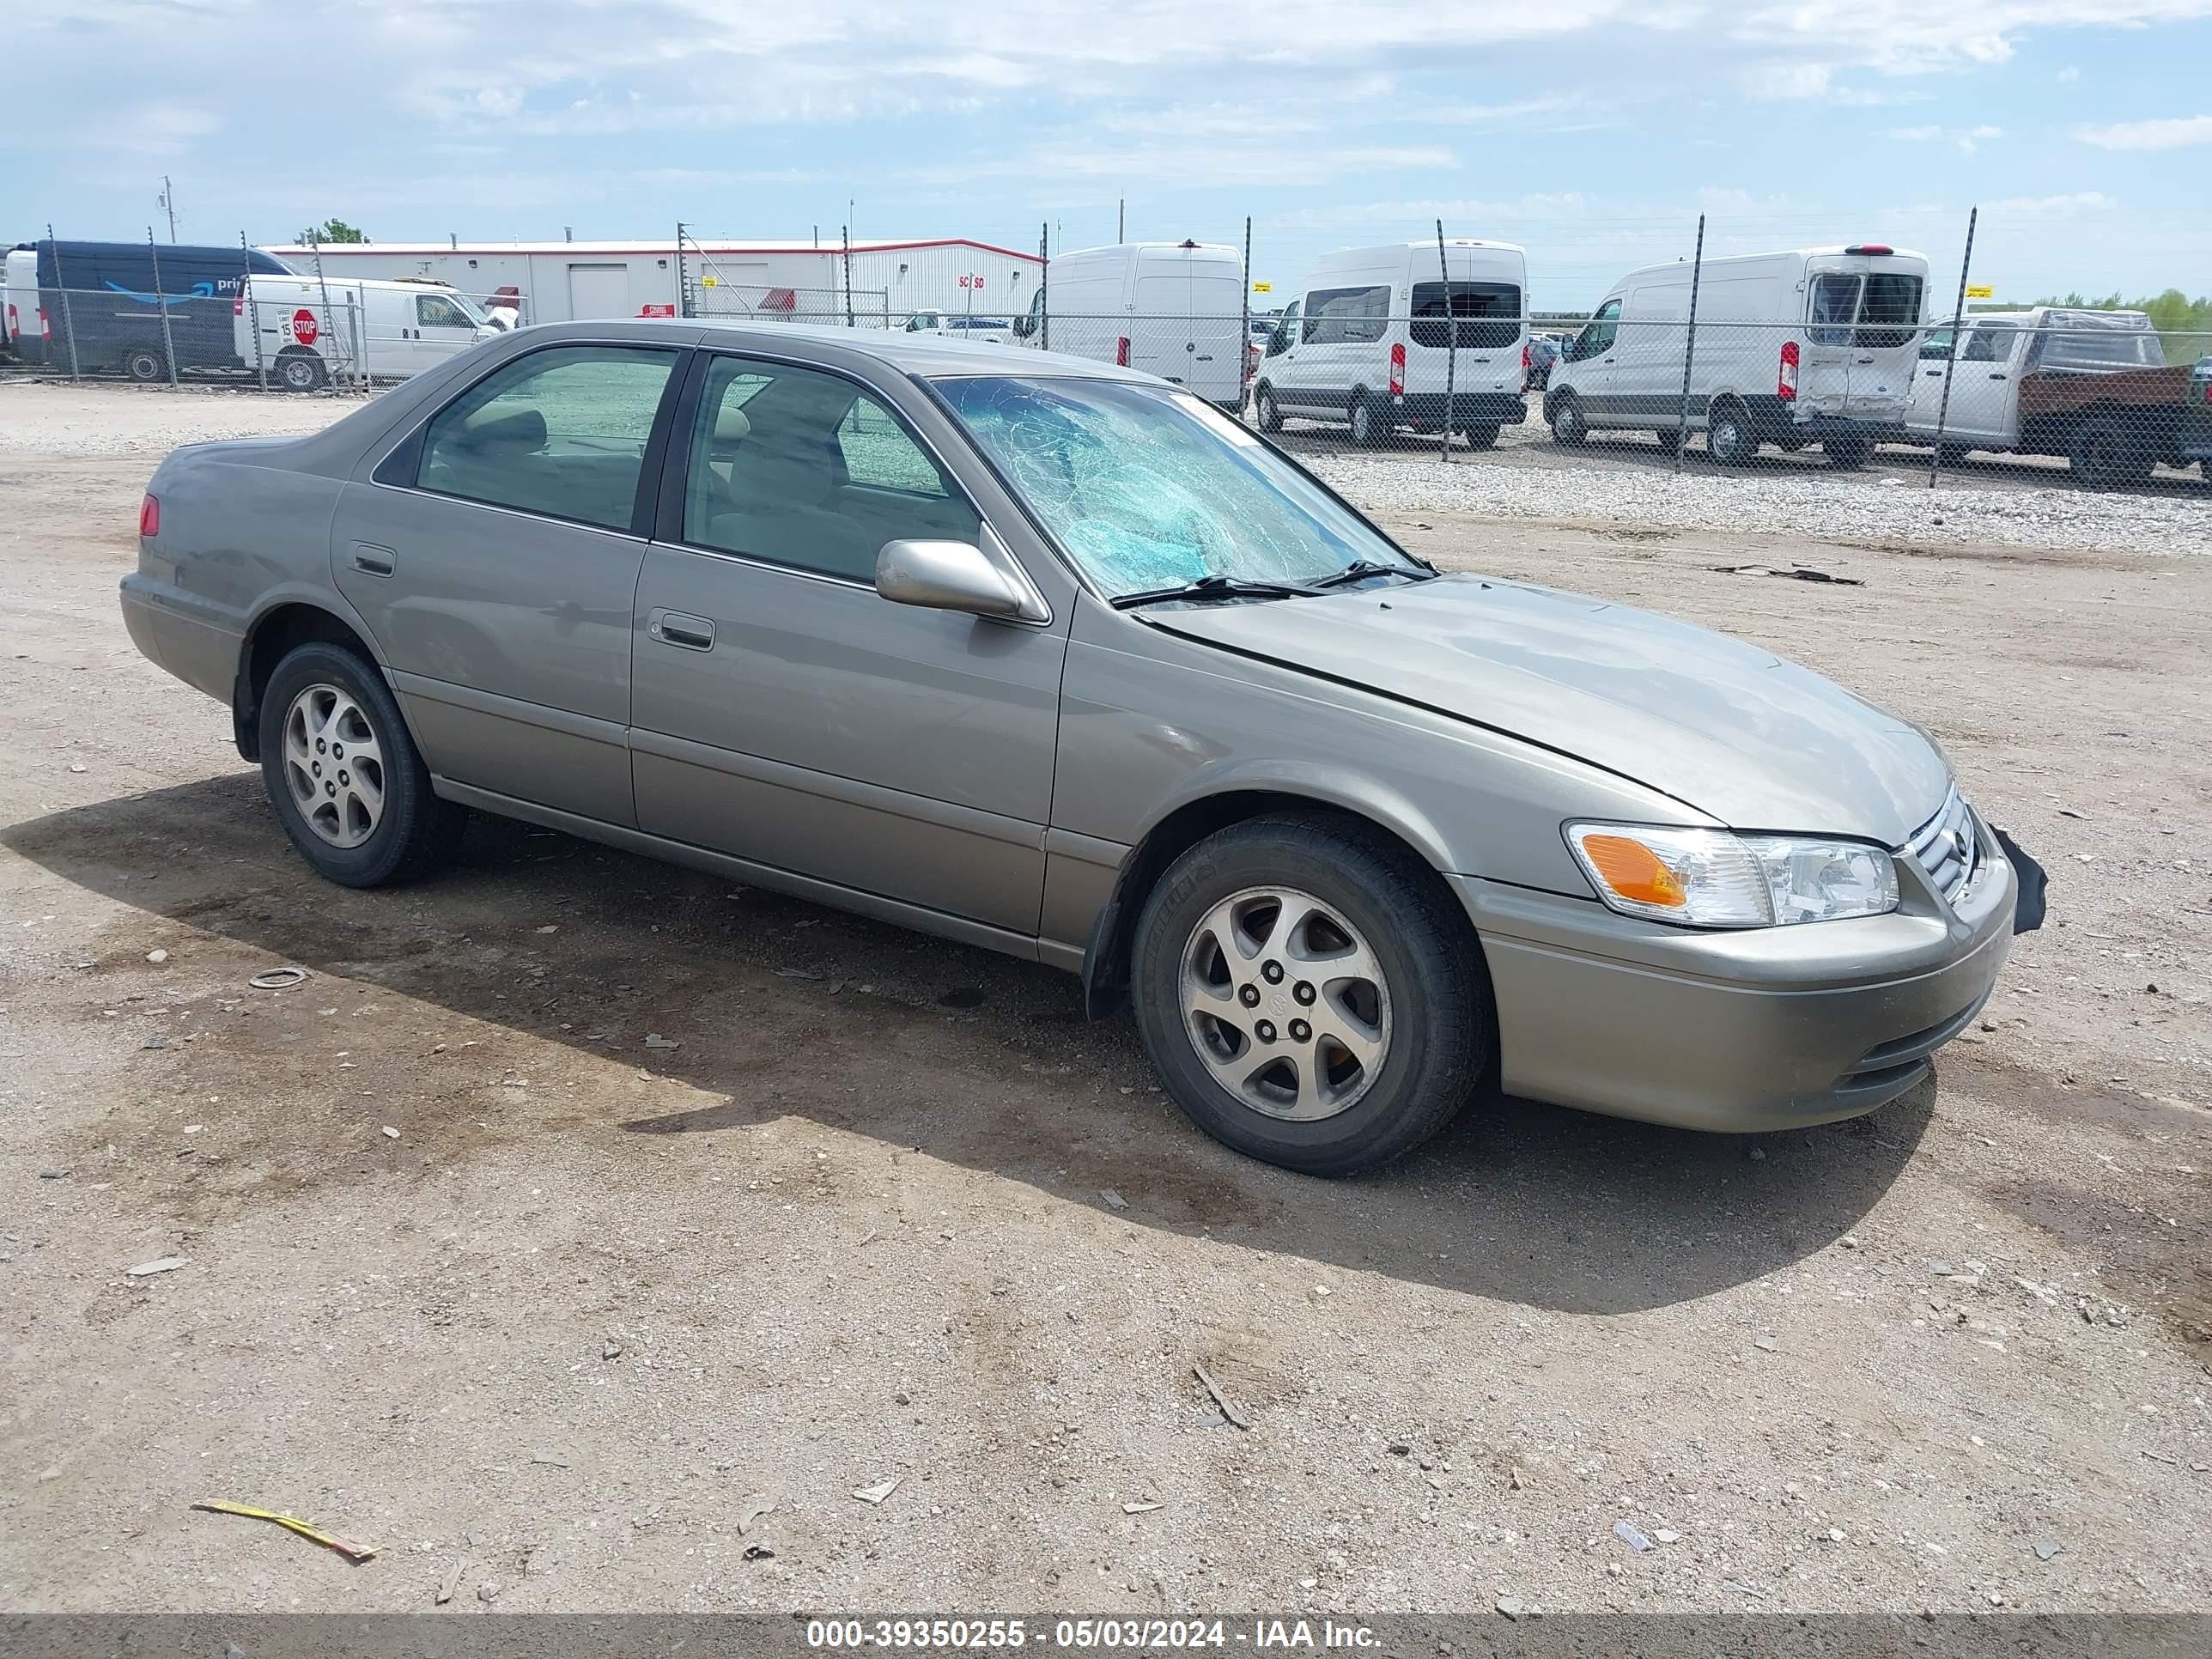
(332,230)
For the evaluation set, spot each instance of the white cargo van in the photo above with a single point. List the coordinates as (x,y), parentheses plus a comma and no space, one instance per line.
(1369,341)
(312,330)
(20,317)
(1173,309)
(1815,345)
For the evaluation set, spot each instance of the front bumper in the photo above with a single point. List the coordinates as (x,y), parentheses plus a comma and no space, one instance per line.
(1769,1027)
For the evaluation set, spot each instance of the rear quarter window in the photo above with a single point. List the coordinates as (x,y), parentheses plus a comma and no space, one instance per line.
(1485,316)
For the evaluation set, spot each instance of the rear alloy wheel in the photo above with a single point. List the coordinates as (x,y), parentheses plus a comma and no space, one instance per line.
(146,364)
(1309,995)
(1728,437)
(299,371)
(1568,425)
(1264,409)
(1368,426)
(1847,454)
(343,773)
(2106,455)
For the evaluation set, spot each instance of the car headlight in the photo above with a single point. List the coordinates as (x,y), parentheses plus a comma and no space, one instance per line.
(1715,879)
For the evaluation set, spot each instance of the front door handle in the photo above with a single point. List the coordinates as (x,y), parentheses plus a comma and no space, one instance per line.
(676,628)
(373,560)
(1933,373)
(1997,376)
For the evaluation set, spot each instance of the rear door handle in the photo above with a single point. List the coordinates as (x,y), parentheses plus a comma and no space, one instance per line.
(1997,376)
(372,559)
(676,628)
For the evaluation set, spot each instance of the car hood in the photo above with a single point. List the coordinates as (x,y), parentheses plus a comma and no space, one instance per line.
(1735,732)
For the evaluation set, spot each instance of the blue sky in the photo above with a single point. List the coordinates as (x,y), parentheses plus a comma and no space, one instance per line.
(1592,130)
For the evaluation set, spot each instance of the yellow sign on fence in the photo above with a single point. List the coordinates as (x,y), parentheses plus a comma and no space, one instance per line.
(1981,291)
(1263,288)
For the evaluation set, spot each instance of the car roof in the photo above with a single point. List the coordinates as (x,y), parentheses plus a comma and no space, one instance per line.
(927,356)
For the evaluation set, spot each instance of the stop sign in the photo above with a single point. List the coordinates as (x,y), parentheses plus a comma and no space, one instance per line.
(303,326)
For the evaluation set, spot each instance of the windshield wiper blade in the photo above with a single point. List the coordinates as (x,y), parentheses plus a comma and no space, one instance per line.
(1217,587)
(1360,569)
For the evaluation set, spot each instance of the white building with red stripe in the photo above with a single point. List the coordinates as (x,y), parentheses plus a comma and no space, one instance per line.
(877,282)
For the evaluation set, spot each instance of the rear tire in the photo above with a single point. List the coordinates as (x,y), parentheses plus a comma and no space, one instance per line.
(300,371)
(1368,427)
(1481,437)
(1952,455)
(1728,437)
(146,364)
(1265,412)
(1264,1060)
(2105,455)
(363,818)
(1847,454)
(1569,427)
(1670,439)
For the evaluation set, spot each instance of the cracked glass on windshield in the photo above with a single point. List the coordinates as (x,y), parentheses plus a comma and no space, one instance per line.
(1146,487)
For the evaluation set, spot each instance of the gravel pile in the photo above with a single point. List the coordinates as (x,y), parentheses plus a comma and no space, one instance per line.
(1849,508)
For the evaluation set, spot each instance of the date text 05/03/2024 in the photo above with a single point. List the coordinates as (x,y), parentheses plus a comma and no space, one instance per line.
(1122,1634)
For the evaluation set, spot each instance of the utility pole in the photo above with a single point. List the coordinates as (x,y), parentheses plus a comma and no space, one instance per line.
(1121,220)
(169,205)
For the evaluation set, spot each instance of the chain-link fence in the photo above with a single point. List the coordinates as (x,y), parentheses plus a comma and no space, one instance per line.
(1844,357)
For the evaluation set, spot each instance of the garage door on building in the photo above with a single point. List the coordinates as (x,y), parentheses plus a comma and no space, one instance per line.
(600,290)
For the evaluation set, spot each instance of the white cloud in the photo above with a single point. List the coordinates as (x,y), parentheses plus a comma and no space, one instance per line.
(2069,76)
(2175,134)
(1968,140)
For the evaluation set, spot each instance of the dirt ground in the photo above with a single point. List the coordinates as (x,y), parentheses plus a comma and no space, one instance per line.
(478,1269)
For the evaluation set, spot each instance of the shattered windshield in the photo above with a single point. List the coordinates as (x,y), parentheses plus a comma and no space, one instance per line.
(1146,487)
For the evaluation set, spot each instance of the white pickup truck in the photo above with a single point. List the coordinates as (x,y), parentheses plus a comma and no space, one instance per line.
(2093,387)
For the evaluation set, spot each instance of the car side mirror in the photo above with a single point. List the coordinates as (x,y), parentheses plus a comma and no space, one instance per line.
(945,576)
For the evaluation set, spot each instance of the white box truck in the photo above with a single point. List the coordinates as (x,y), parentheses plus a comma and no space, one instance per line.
(1173,309)
(1814,345)
(1375,334)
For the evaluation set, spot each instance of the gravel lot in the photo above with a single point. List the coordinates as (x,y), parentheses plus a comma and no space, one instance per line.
(475,1272)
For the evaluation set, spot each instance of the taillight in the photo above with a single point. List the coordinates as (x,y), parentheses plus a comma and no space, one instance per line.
(1785,383)
(238,307)
(150,517)
(1525,366)
(45,328)
(1121,352)
(1398,370)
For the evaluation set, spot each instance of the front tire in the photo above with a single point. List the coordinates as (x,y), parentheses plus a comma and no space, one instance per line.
(1368,428)
(1847,454)
(1309,996)
(343,774)
(1569,427)
(1265,412)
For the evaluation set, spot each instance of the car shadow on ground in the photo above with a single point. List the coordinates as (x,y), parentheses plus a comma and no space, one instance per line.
(784,1009)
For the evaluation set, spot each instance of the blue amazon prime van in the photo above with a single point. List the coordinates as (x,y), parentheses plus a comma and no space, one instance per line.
(101,304)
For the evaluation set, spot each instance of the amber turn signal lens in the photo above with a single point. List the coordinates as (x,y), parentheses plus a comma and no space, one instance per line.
(1633,871)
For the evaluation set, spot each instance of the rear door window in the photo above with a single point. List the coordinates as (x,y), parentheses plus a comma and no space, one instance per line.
(1885,306)
(1347,316)
(1832,309)
(1989,344)
(1889,311)
(562,432)
(1488,314)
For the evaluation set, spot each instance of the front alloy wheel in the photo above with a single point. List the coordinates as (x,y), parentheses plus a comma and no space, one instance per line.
(1285,1004)
(1310,992)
